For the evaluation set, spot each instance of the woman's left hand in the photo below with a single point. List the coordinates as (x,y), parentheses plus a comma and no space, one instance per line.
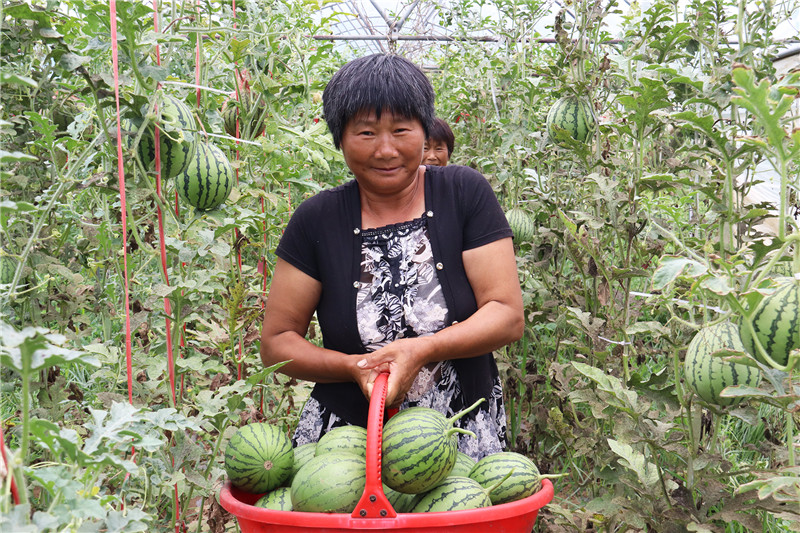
(402,359)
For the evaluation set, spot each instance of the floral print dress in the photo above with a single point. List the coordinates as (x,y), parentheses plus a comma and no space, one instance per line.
(400,296)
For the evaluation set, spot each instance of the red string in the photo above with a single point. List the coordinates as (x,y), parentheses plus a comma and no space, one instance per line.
(163,255)
(4,459)
(197,56)
(123,203)
(162,243)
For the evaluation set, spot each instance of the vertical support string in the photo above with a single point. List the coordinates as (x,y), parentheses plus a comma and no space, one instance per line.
(122,199)
(163,253)
(241,85)
(8,469)
(112,7)
(161,236)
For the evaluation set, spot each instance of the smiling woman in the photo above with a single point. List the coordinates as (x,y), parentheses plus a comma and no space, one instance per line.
(409,269)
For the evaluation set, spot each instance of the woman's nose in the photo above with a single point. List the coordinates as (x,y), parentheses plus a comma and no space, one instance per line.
(385,147)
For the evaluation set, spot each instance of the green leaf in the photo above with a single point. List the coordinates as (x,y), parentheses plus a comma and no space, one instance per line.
(626,399)
(645,471)
(108,428)
(670,267)
(653,327)
(12,78)
(707,125)
(716,285)
(70,61)
(15,157)
(17,519)
(32,349)
(755,97)
(24,11)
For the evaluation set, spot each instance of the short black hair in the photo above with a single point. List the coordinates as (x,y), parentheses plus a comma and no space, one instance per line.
(440,132)
(377,83)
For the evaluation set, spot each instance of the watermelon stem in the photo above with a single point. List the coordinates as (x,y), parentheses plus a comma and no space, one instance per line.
(552,476)
(459,430)
(465,411)
(490,489)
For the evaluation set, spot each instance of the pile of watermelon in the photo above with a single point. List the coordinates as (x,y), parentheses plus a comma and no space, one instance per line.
(422,469)
(203,174)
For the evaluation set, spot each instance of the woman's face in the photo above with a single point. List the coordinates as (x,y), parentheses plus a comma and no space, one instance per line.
(435,153)
(384,155)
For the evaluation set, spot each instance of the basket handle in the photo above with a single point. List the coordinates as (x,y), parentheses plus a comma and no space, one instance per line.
(373,503)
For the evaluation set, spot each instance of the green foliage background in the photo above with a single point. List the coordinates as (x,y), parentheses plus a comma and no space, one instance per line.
(642,236)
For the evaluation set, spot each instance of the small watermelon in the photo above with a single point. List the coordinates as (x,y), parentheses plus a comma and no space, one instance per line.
(329,483)
(176,137)
(250,110)
(463,466)
(401,503)
(453,494)
(208,180)
(521,225)
(279,499)
(259,458)
(708,375)
(8,265)
(524,480)
(570,115)
(776,322)
(302,454)
(351,439)
(419,448)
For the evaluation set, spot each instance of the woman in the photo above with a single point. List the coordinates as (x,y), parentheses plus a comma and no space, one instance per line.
(410,269)
(439,145)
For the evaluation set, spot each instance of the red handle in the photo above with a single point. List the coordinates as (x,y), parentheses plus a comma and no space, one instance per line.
(373,503)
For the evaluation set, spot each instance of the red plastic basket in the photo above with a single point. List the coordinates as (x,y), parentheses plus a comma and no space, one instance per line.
(374,512)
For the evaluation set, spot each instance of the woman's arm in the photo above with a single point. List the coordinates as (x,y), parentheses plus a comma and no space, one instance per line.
(293,297)
(492,273)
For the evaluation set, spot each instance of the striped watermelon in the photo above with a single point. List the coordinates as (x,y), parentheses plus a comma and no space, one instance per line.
(453,494)
(176,138)
(351,439)
(419,448)
(250,109)
(402,503)
(463,466)
(572,116)
(259,458)
(8,265)
(279,499)
(329,483)
(776,323)
(208,180)
(302,455)
(521,225)
(523,481)
(708,375)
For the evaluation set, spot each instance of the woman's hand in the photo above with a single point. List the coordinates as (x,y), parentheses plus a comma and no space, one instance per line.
(402,359)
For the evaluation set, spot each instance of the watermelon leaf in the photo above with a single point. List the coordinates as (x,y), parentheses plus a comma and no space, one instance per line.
(671,267)
(635,461)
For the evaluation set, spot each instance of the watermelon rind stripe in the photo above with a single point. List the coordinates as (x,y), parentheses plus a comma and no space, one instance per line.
(453,494)
(329,483)
(523,481)
(250,450)
(417,452)
(204,185)
(708,375)
(776,323)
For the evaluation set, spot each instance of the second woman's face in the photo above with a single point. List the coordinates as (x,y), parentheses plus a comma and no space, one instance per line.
(436,153)
(384,154)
